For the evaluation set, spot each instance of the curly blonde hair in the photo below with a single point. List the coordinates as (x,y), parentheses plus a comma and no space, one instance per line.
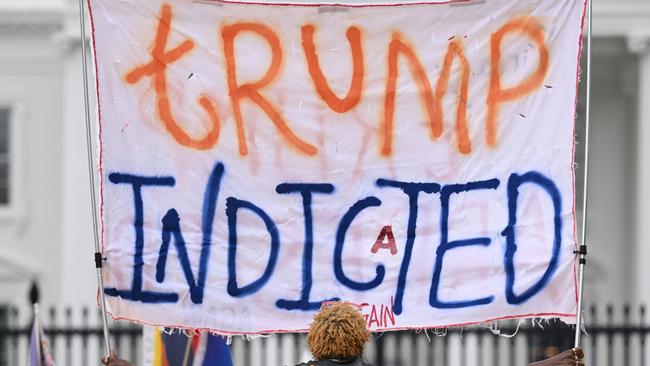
(338,331)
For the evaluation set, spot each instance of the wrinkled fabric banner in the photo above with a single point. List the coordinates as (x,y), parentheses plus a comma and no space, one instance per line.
(258,160)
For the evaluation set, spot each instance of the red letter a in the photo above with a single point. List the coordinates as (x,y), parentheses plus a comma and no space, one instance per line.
(386,231)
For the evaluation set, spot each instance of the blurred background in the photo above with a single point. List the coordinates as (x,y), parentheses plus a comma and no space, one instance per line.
(46,242)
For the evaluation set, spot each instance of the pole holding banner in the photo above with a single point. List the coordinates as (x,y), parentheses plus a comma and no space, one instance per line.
(582,252)
(91,174)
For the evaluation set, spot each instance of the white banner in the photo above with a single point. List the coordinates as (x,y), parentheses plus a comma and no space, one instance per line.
(258,160)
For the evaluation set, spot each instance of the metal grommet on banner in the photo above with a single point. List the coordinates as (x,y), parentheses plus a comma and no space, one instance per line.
(582,251)
(98,260)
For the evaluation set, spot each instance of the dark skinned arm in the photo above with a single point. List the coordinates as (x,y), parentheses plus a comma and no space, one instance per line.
(570,357)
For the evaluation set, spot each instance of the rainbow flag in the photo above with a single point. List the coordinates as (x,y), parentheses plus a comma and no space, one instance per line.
(180,350)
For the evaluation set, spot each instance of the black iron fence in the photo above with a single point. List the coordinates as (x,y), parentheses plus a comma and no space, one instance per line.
(614,337)
(74,338)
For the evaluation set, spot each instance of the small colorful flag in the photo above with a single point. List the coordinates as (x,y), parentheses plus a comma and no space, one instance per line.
(39,352)
(178,349)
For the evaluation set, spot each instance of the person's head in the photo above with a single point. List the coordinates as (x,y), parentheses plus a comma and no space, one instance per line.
(338,332)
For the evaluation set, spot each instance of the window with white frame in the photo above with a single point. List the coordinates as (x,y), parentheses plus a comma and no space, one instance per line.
(5,156)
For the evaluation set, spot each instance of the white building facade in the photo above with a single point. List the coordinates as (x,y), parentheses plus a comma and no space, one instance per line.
(45,218)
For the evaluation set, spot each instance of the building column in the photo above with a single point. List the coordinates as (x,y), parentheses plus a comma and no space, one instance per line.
(641,47)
